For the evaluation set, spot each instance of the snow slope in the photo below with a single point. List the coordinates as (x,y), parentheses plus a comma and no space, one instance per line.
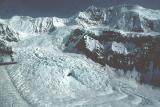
(45,77)
(49,73)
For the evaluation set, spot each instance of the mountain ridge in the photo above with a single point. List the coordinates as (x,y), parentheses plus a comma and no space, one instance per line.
(70,62)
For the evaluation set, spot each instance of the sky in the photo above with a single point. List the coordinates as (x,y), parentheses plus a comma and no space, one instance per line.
(62,8)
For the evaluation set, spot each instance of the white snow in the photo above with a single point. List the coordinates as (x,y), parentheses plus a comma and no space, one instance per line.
(148,13)
(91,44)
(35,25)
(45,76)
(119,48)
(123,17)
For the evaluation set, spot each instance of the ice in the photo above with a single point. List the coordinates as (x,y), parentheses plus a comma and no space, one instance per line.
(119,48)
(48,76)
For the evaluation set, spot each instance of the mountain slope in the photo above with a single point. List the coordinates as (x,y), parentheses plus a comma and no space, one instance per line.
(80,61)
(123,17)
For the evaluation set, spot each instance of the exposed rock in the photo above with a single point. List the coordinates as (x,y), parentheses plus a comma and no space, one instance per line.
(119,51)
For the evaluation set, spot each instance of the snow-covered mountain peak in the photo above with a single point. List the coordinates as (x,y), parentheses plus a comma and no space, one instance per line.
(91,16)
(35,25)
(133,18)
(126,18)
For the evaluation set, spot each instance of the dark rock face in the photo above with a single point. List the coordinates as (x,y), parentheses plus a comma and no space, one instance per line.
(119,51)
(7,34)
(5,53)
(5,49)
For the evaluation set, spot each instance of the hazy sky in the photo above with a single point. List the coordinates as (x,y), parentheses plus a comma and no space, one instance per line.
(64,8)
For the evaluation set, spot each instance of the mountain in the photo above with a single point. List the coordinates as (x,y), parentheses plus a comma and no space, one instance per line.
(95,57)
(35,25)
(124,37)
(132,18)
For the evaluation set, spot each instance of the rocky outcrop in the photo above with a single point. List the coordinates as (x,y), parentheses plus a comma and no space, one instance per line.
(7,33)
(119,51)
(128,37)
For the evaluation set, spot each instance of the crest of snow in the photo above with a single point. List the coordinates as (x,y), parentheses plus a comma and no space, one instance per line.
(58,22)
(147,13)
(35,25)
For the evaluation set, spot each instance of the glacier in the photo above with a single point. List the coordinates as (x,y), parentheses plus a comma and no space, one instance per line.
(60,60)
